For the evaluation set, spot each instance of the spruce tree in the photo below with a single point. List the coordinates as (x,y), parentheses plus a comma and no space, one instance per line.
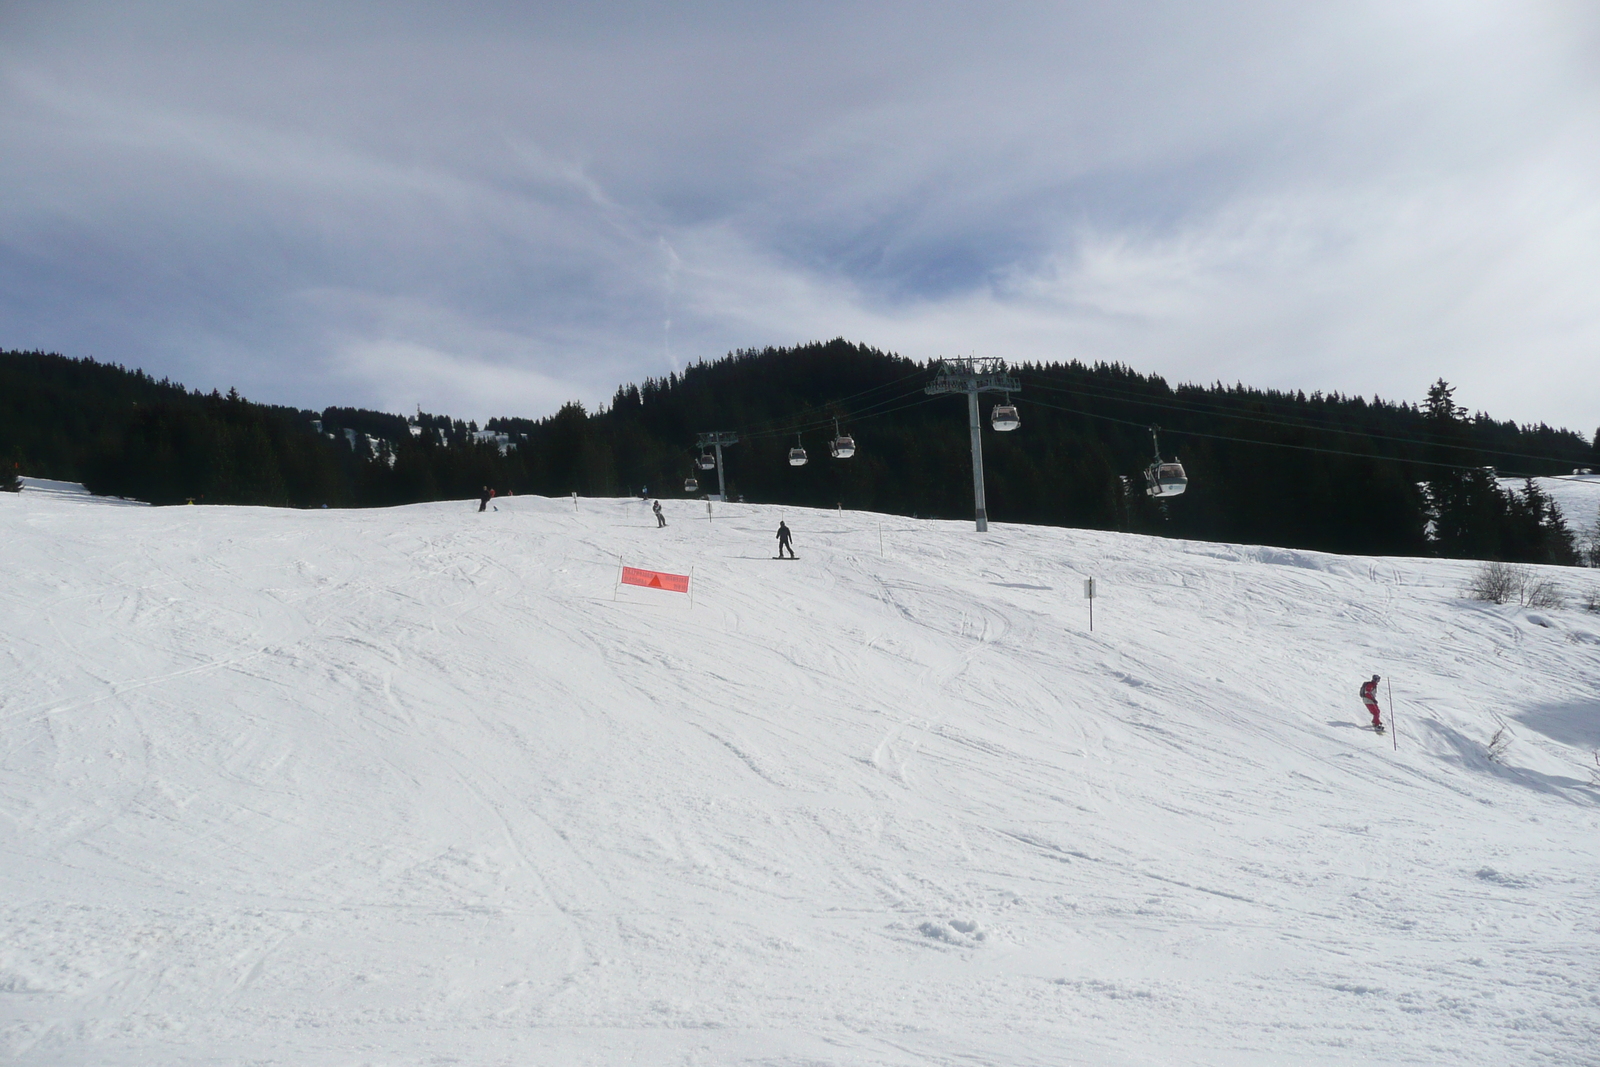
(11,480)
(1535,530)
(1466,503)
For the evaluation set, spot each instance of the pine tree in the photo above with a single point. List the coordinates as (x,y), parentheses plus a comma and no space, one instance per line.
(11,480)
(1466,503)
(1535,530)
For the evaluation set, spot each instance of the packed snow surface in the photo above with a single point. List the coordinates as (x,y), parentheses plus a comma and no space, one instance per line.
(1577,494)
(422,786)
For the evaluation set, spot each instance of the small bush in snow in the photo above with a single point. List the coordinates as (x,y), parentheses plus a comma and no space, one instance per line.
(1589,544)
(1542,593)
(1495,583)
(1591,601)
(1496,748)
(1501,583)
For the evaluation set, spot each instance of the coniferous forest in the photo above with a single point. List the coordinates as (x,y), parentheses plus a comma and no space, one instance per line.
(1330,472)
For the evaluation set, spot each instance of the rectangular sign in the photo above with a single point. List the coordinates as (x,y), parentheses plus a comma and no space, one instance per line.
(1088,588)
(672,583)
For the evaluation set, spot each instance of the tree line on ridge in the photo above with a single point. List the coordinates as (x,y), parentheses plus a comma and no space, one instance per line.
(1324,471)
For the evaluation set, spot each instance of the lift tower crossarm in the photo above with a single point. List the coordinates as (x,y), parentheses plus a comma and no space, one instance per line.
(973,375)
(968,375)
(716,439)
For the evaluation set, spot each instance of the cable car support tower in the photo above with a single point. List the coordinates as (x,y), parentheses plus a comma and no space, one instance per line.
(973,375)
(716,440)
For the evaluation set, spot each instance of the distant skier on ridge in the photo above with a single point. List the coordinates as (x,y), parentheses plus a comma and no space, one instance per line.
(1369,696)
(783,540)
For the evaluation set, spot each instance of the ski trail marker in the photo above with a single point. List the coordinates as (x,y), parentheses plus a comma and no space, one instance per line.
(672,583)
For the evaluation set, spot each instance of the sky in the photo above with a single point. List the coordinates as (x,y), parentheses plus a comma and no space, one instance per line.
(492,209)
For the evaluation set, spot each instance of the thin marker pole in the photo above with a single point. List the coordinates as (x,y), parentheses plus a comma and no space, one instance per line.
(691,588)
(1394,723)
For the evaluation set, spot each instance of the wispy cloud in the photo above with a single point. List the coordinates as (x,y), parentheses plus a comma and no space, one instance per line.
(503,207)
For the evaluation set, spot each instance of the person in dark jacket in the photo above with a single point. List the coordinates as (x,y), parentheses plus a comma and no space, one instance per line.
(661,520)
(483,498)
(1369,697)
(783,540)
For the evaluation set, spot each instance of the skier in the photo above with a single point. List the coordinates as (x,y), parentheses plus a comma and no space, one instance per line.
(661,520)
(783,540)
(1369,696)
(483,498)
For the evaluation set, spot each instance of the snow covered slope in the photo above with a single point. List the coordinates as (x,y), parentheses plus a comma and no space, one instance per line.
(1578,495)
(408,786)
(72,490)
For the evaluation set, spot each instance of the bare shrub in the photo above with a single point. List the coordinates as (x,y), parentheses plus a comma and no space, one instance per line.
(1591,601)
(1543,593)
(1496,748)
(1501,583)
(1495,583)
(1589,544)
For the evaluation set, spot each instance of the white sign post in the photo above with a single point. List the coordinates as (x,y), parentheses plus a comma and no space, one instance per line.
(1088,594)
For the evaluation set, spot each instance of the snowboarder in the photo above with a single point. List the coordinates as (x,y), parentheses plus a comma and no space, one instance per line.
(1369,697)
(783,540)
(483,498)
(661,520)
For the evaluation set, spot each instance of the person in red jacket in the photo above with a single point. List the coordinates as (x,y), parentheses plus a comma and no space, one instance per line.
(1369,696)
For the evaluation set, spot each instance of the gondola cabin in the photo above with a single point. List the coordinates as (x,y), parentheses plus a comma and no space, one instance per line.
(797,456)
(708,462)
(1004,417)
(843,447)
(691,485)
(1165,479)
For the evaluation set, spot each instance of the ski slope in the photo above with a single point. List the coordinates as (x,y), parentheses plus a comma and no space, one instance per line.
(421,786)
(1577,494)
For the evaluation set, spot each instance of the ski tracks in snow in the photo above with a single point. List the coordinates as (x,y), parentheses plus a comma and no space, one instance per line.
(305,785)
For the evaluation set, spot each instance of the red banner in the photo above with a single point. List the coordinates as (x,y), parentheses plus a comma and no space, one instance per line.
(673,583)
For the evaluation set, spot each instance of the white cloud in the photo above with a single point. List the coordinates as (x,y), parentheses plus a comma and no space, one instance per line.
(406,375)
(503,205)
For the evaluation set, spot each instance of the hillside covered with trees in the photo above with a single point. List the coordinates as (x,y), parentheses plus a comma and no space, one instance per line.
(1322,471)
